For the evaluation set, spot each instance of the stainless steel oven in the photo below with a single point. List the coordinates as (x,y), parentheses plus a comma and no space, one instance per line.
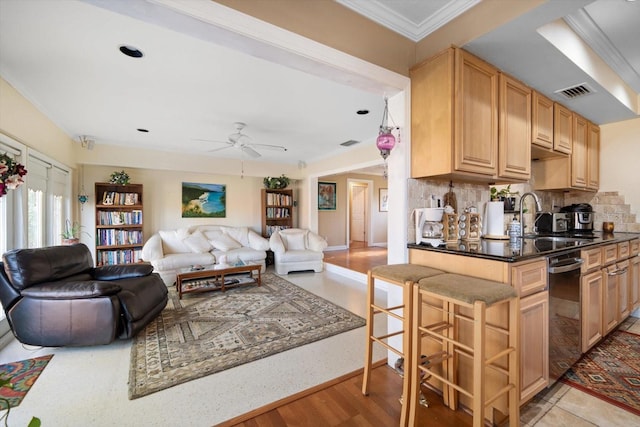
(564,312)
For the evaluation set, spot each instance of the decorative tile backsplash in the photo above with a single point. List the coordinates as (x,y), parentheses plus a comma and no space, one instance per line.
(608,206)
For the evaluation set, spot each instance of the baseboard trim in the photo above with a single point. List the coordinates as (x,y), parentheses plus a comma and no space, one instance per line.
(336,248)
(271,406)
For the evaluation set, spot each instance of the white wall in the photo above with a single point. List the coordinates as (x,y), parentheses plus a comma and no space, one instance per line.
(620,161)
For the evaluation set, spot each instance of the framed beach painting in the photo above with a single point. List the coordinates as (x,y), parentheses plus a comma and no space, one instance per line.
(204,200)
(326,196)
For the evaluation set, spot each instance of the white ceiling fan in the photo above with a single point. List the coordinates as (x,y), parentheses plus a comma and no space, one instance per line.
(243,143)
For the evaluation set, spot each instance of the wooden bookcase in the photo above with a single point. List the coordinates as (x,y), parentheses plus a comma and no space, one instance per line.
(119,237)
(277,210)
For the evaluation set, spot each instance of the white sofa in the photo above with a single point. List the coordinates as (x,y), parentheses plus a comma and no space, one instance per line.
(296,249)
(171,250)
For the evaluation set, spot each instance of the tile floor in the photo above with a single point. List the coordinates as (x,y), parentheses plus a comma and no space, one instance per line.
(88,386)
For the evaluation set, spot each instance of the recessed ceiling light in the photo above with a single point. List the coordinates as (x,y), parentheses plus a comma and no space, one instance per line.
(362,112)
(131,51)
(143,130)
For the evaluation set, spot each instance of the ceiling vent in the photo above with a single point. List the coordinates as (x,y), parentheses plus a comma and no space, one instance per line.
(576,91)
(350,142)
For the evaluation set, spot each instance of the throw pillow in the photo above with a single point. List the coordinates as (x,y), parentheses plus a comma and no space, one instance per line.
(239,234)
(295,241)
(171,243)
(198,243)
(224,242)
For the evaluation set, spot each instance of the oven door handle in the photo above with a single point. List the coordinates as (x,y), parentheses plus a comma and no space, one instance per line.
(575,264)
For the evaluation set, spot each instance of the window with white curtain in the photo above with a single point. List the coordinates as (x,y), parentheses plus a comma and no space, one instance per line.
(33,215)
(49,200)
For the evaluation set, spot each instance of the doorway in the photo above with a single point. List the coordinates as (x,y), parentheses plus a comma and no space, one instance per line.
(359,213)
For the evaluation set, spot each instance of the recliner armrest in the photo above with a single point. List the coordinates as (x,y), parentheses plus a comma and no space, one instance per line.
(125,271)
(317,243)
(71,290)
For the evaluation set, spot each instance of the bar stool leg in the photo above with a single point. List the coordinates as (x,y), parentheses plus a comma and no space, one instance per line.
(479,397)
(369,343)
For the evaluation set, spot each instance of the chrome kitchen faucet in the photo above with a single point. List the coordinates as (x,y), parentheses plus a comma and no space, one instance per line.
(537,209)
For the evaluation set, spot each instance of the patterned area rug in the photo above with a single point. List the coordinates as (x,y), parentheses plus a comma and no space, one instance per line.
(22,376)
(210,332)
(611,371)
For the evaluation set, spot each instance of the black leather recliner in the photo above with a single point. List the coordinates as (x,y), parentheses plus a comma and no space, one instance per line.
(54,297)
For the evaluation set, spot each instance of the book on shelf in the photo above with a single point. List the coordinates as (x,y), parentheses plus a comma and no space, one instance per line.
(112,236)
(110,198)
(119,256)
(133,217)
(279,199)
(273,228)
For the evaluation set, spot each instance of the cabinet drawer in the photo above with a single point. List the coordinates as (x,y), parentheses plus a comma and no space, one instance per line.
(592,259)
(609,254)
(623,250)
(635,247)
(529,278)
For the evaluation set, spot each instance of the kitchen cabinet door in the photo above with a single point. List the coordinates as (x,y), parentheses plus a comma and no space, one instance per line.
(454,117)
(579,152)
(541,121)
(562,129)
(514,147)
(591,292)
(623,290)
(593,157)
(609,300)
(476,115)
(534,345)
(634,282)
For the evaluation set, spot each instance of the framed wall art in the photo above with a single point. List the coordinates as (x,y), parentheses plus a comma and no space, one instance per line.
(326,196)
(204,200)
(383,200)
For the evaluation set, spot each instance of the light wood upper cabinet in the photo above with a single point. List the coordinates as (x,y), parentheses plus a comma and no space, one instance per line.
(593,157)
(579,152)
(454,122)
(541,122)
(580,170)
(514,148)
(562,129)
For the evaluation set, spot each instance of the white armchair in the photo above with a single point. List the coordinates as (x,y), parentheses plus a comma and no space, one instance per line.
(296,249)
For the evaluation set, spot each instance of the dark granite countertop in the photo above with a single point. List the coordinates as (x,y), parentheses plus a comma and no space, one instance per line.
(523,248)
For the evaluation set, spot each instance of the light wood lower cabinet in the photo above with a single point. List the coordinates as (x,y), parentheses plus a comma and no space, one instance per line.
(591,291)
(534,344)
(623,290)
(634,282)
(609,300)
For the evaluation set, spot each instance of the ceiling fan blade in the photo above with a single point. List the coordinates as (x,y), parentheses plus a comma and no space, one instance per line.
(221,148)
(250,151)
(270,147)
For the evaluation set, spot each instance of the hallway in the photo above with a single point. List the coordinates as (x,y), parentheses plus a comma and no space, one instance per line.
(357,257)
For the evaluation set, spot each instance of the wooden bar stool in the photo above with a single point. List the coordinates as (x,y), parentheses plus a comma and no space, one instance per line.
(450,294)
(403,275)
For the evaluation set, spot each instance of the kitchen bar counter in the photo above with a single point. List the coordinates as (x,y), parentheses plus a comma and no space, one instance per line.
(523,248)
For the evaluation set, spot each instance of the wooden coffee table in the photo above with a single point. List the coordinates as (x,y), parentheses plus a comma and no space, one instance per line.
(216,275)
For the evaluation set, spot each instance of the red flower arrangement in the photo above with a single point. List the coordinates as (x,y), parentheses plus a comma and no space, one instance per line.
(11,173)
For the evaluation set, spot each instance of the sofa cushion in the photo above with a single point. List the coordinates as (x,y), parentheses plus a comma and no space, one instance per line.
(72,290)
(224,242)
(197,242)
(175,261)
(172,241)
(246,255)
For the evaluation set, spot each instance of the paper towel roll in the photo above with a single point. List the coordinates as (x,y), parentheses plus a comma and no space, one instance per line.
(495,219)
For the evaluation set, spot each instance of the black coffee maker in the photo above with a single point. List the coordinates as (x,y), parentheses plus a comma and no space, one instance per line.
(580,218)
